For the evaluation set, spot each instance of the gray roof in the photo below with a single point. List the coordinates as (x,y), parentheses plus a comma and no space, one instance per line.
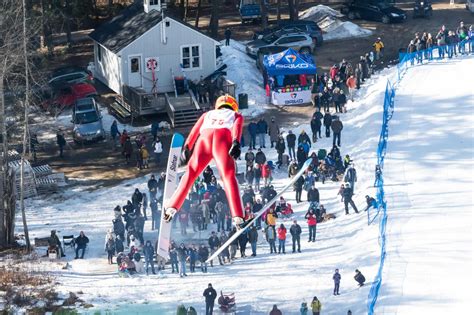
(129,25)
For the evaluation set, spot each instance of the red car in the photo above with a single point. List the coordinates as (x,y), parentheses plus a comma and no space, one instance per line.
(66,95)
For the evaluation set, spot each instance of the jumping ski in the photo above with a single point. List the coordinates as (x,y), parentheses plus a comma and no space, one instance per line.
(164,235)
(262,211)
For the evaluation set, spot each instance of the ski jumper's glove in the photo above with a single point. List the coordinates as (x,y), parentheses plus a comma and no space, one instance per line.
(185,155)
(169,214)
(235,150)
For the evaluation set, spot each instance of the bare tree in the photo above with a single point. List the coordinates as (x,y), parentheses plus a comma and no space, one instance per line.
(214,21)
(264,13)
(25,129)
(278,10)
(198,14)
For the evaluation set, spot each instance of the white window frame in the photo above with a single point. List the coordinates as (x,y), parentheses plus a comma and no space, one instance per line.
(191,57)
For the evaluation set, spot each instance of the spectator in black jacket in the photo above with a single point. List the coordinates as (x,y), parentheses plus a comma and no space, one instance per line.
(203,254)
(291,142)
(148,252)
(336,126)
(253,238)
(325,98)
(61,141)
(301,156)
(303,137)
(299,188)
(210,294)
(137,199)
(313,194)
(214,243)
(152,187)
(359,277)
(280,148)
(315,128)
(81,243)
(347,194)
(295,231)
(327,120)
(260,157)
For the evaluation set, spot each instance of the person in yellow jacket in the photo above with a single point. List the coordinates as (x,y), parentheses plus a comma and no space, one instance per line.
(316,306)
(378,47)
(145,155)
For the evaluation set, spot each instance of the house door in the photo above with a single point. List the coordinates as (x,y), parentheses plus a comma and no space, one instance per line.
(135,71)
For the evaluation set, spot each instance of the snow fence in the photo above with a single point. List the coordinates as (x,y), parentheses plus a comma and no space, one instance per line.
(406,60)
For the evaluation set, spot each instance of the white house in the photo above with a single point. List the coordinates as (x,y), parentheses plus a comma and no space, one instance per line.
(142,38)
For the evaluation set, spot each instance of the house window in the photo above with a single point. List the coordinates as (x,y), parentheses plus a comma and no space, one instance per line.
(154,2)
(99,53)
(135,65)
(191,56)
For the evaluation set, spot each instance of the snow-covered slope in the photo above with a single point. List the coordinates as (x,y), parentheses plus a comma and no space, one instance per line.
(429,189)
(346,243)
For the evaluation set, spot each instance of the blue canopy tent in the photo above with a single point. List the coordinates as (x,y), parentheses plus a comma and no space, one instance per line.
(289,62)
(283,65)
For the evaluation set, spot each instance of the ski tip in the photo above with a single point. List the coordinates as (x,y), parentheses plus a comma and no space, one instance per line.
(178,140)
(307,163)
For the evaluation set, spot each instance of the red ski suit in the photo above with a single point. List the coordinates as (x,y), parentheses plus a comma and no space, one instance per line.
(211,138)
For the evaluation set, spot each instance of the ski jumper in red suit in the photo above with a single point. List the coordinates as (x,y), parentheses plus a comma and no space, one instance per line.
(211,138)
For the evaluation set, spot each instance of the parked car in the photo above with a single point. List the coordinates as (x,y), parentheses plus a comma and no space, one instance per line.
(301,42)
(70,75)
(470,5)
(309,27)
(58,98)
(376,10)
(87,121)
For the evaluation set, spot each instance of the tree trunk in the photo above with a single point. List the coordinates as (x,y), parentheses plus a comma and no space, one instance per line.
(198,13)
(186,6)
(67,23)
(278,10)
(291,9)
(264,14)
(47,33)
(296,10)
(214,21)
(25,131)
(181,9)
(4,165)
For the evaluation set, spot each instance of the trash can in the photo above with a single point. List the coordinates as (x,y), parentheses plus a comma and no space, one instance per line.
(243,101)
(179,82)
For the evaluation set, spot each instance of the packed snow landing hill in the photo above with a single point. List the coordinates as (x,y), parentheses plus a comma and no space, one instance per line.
(429,187)
(429,220)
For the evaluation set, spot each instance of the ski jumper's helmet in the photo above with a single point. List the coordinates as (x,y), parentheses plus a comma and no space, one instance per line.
(227,100)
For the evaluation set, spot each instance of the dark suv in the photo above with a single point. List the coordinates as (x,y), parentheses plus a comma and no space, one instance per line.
(309,27)
(376,10)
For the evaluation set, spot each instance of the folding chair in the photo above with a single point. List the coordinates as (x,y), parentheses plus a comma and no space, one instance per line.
(68,240)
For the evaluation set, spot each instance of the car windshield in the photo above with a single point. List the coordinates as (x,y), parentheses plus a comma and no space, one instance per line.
(269,38)
(247,2)
(383,5)
(86,117)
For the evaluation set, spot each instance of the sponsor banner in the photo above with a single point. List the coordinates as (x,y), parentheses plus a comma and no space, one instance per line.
(291,98)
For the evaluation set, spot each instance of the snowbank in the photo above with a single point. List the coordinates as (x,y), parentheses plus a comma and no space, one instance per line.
(243,71)
(336,29)
(319,12)
(329,21)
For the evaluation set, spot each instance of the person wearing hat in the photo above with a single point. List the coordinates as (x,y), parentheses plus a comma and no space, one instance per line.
(215,136)
(378,48)
(359,277)
(347,196)
(210,295)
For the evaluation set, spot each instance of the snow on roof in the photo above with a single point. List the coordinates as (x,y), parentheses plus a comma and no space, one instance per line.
(243,71)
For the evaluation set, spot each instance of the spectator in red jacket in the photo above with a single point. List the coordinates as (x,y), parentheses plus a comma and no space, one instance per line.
(311,219)
(281,232)
(266,174)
